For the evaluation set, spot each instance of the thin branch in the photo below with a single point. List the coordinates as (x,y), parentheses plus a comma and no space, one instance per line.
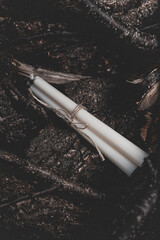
(27,197)
(22,40)
(60,182)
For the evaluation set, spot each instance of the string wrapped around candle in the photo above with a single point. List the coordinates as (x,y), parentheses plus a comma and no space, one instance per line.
(96,129)
(123,145)
(70,119)
(117,158)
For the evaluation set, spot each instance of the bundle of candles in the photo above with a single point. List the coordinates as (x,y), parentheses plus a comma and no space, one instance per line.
(123,153)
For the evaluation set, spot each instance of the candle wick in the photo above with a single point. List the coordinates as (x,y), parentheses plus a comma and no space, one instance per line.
(32,77)
(70,119)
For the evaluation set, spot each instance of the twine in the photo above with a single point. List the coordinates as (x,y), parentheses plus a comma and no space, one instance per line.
(70,119)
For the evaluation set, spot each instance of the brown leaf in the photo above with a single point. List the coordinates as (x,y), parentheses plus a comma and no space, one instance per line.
(144,129)
(50,76)
(149,98)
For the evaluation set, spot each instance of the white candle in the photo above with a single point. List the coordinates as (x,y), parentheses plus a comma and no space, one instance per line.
(117,141)
(116,157)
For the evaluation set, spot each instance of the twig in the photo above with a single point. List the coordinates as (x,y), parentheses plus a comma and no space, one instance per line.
(34,37)
(27,197)
(50,176)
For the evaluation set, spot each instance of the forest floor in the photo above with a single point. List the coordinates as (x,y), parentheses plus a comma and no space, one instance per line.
(53,183)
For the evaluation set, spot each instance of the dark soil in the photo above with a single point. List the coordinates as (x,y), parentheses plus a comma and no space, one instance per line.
(53,183)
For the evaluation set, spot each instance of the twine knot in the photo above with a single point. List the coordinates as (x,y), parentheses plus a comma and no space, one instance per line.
(70,118)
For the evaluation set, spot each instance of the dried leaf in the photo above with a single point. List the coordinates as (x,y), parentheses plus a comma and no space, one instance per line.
(144,129)
(149,98)
(50,76)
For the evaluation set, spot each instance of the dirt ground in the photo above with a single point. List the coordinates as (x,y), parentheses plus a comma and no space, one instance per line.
(53,184)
